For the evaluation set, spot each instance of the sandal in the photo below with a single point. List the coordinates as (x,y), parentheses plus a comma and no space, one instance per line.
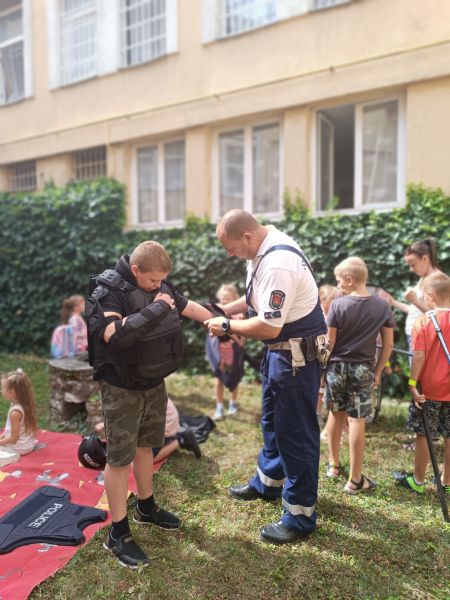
(333,471)
(365,485)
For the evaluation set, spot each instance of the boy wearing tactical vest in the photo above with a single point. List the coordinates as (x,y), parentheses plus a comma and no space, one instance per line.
(134,343)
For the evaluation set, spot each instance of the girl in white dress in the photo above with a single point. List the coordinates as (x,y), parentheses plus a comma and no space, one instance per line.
(21,423)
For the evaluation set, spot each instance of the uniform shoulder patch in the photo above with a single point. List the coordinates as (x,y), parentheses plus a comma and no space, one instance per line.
(277,298)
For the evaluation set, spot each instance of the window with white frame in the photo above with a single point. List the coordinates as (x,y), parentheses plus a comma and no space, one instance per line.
(248,170)
(319,4)
(161,187)
(90,163)
(12,76)
(77,40)
(223,18)
(360,155)
(143,30)
(241,15)
(22,176)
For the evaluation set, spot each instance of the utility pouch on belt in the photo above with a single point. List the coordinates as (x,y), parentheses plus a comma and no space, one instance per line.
(298,358)
(323,349)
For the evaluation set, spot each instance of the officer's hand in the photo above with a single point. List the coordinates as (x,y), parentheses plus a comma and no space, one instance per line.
(170,301)
(215,326)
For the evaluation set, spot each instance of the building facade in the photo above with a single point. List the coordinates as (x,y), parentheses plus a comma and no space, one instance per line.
(200,106)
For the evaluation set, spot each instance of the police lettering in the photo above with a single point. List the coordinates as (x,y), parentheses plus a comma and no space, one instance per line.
(45,516)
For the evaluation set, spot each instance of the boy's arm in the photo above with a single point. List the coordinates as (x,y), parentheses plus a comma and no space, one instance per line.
(332,333)
(417,363)
(14,418)
(387,343)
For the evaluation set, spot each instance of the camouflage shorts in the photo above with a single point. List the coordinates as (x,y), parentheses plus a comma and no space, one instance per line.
(133,418)
(438,418)
(349,387)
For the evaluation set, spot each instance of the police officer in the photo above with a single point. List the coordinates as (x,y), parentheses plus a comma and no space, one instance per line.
(284,311)
(134,342)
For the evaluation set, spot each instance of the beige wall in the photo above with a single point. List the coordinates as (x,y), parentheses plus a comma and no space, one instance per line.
(296,152)
(428,133)
(293,62)
(361,51)
(58,169)
(198,171)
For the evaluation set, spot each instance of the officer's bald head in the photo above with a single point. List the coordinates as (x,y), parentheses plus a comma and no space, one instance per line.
(235,223)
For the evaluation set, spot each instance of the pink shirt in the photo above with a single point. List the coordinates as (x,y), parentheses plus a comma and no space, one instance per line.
(172,420)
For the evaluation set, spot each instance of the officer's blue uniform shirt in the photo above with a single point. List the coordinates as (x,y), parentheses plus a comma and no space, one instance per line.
(283,289)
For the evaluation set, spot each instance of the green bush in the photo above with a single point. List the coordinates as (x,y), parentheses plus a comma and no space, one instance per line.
(52,242)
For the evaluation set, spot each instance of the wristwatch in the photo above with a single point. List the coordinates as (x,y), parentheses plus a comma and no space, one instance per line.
(226,325)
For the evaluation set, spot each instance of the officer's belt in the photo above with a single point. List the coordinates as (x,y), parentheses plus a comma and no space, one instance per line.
(304,350)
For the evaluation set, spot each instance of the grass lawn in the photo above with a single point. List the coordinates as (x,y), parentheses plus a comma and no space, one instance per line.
(389,544)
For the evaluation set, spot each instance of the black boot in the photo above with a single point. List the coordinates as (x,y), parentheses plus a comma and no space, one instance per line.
(188,441)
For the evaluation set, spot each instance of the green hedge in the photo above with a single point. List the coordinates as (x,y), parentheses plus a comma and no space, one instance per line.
(51,242)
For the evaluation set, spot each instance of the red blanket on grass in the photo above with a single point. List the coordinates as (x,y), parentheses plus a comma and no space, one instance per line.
(54,462)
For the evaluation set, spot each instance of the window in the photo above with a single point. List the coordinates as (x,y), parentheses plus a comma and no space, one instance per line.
(319,4)
(241,15)
(360,156)
(161,183)
(22,177)
(248,170)
(78,34)
(12,78)
(90,164)
(223,18)
(143,30)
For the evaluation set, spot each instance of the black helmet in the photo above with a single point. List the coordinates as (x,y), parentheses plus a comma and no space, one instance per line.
(92,452)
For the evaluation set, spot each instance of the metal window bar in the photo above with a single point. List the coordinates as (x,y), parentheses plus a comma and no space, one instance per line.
(78,40)
(22,177)
(320,4)
(90,163)
(143,30)
(12,79)
(242,15)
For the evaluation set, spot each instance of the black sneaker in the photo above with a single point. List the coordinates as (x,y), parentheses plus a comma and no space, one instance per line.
(188,441)
(128,553)
(158,516)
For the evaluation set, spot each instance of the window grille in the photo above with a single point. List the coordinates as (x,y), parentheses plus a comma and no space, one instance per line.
(78,39)
(241,15)
(22,177)
(90,163)
(319,4)
(12,80)
(143,30)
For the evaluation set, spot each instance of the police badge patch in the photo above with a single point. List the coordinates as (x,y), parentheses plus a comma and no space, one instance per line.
(277,299)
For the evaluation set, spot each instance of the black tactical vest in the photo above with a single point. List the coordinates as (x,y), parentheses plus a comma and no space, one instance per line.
(156,356)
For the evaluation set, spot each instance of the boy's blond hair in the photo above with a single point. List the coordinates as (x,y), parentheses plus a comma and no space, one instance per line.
(328,292)
(437,284)
(151,256)
(353,267)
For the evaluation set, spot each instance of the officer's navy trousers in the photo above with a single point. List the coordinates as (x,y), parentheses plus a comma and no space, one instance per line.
(288,464)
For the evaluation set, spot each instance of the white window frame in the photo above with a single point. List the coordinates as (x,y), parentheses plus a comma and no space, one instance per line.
(171,34)
(358,206)
(162,223)
(248,168)
(26,40)
(284,9)
(16,176)
(108,39)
